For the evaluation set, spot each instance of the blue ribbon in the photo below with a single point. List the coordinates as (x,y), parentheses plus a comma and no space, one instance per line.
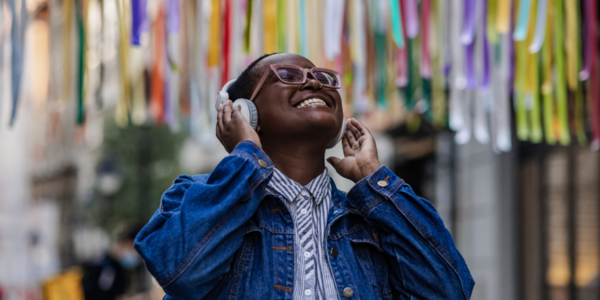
(17,36)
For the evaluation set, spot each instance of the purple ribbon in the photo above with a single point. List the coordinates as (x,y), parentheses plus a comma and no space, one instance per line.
(412,18)
(485,82)
(138,20)
(469,21)
(173,16)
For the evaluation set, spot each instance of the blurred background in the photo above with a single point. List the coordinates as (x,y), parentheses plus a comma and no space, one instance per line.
(490,109)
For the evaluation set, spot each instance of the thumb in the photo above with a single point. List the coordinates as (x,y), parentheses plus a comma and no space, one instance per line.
(333,161)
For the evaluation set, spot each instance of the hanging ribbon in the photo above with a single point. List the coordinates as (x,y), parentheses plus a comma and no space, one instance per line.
(547,89)
(302,28)
(503,19)
(396,23)
(269,26)
(332,31)
(80,61)
(17,35)
(215,34)
(591,70)
(492,18)
(438,104)
(248,26)
(291,41)
(540,26)
(561,88)
(138,18)
(590,39)
(227,41)
(157,93)
(469,17)
(425,55)
(67,12)
(571,43)
(522,27)
(480,120)
(281,24)
(412,19)
(574,66)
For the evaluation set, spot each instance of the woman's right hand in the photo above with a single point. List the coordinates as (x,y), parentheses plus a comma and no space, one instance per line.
(232,128)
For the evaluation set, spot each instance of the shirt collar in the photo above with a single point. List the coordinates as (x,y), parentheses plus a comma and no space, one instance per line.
(318,187)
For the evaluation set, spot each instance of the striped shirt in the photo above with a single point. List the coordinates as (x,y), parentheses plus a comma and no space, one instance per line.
(309,206)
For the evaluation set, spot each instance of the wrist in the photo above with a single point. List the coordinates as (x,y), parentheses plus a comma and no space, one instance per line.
(369,168)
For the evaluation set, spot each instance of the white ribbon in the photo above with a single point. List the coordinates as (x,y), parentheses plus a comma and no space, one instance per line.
(332,31)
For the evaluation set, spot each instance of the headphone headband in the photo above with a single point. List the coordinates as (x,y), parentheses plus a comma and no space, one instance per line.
(223,95)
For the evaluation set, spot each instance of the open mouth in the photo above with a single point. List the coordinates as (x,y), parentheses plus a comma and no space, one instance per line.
(311,102)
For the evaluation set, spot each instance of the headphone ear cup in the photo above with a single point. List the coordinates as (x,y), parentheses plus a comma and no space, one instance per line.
(339,137)
(248,111)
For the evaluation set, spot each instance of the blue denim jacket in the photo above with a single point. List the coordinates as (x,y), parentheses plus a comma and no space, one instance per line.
(224,236)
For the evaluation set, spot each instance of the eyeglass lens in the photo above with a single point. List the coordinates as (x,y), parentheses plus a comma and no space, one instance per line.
(292,75)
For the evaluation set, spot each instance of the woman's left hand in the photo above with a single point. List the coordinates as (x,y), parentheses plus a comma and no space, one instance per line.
(360,153)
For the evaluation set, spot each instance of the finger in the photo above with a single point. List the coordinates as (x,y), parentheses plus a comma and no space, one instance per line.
(360,127)
(333,161)
(227,112)
(346,146)
(356,133)
(235,112)
(350,137)
(220,117)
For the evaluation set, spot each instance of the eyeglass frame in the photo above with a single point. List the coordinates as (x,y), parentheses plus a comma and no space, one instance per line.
(305,71)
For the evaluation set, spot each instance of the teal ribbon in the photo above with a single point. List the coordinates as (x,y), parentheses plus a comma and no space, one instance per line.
(302,24)
(396,23)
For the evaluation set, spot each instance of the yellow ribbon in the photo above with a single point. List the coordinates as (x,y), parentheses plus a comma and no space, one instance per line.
(503,17)
(571,44)
(269,26)
(215,34)
(549,105)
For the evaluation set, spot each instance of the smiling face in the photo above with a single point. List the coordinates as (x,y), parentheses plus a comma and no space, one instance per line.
(308,112)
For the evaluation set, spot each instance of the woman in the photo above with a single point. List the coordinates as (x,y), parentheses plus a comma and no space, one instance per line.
(269,223)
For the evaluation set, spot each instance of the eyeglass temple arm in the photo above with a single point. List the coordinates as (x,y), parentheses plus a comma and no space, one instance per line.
(259,85)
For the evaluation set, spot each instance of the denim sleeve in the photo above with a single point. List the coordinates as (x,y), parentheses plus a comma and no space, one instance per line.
(189,243)
(428,265)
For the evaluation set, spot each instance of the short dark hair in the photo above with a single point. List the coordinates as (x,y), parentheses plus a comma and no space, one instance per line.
(245,83)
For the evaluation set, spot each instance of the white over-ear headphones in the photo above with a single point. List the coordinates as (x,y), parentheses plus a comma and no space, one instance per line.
(249,112)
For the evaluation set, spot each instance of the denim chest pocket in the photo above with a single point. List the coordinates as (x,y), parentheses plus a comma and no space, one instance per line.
(371,258)
(242,260)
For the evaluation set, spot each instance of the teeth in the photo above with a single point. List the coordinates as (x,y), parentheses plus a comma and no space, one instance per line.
(313,101)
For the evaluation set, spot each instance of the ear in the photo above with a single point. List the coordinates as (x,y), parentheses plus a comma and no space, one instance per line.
(257,128)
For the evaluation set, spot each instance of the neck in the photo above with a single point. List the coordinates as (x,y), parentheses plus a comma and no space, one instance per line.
(301,162)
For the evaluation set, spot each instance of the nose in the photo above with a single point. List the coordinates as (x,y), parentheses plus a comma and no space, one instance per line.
(311,83)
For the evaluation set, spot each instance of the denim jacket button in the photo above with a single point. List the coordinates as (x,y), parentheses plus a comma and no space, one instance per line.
(348,292)
(334,252)
(262,163)
(382,183)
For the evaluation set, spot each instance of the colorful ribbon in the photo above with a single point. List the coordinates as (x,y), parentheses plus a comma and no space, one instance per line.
(215,34)
(561,88)
(396,23)
(138,18)
(17,35)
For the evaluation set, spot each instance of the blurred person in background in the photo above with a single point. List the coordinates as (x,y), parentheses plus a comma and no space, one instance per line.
(269,223)
(117,273)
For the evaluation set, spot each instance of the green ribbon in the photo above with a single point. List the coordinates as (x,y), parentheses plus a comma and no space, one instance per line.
(561,88)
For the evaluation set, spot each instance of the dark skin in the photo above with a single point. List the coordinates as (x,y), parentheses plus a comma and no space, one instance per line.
(295,139)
